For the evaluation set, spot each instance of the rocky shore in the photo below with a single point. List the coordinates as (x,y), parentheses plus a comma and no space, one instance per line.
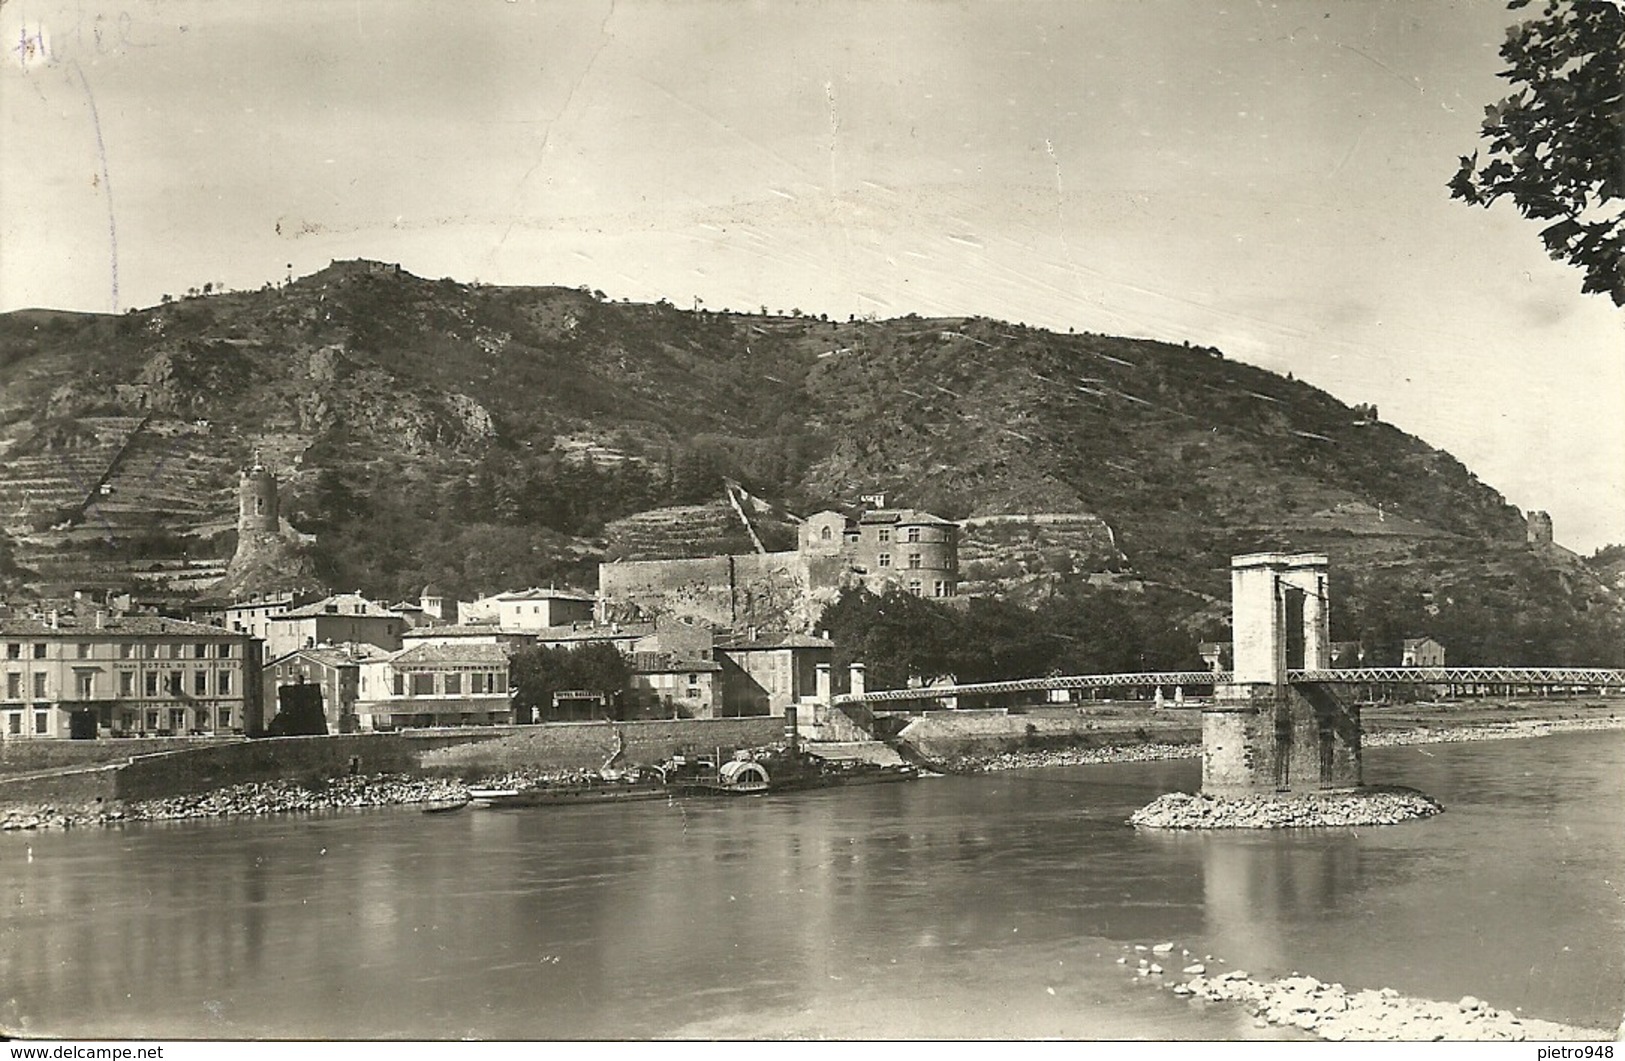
(1516,730)
(1370,806)
(1333,1012)
(1111,753)
(267,797)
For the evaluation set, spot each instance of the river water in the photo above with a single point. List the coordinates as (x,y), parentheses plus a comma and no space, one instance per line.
(990,906)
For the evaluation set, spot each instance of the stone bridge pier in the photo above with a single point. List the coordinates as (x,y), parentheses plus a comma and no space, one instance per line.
(1263,734)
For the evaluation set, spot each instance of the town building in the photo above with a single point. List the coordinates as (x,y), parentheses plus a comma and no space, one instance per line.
(435,685)
(664,686)
(252,615)
(432,609)
(764,675)
(334,669)
(538,609)
(1421,652)
(100,674)
(331,620)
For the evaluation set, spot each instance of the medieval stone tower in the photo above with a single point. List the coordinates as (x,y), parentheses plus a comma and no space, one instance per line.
(267,560)
(256,502)
(1538,528)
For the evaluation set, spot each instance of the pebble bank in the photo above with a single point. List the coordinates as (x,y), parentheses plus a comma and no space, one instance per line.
(1333,1012)
(265,797)
(1374,806)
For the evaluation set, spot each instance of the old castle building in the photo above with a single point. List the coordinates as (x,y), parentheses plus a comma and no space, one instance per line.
(270,557)
(882,549)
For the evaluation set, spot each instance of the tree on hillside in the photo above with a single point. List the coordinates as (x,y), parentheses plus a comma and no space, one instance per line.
(1555,143)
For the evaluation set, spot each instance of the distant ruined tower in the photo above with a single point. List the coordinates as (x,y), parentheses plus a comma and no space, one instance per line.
(1538,527)
(267,560)
(257,502)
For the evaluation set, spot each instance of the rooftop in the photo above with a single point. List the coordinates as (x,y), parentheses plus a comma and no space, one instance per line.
(627,632)
(340,604)
(771,641)
(80,626)
(475,653)
(904,516)
(544,594)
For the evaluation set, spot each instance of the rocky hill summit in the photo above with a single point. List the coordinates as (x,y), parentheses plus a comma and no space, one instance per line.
(482,436)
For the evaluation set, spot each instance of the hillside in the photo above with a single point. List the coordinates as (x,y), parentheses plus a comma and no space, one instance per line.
(484,436)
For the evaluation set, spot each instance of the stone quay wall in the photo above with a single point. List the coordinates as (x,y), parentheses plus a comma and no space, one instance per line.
(32,755)
(293,758)
(585,745)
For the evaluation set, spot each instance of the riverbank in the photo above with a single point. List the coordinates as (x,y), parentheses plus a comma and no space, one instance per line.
(1420,724)
(1332,1012)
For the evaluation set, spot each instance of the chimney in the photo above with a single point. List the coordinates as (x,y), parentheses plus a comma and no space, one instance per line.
(54,625)
(822,670)
(101,619)
(857,687)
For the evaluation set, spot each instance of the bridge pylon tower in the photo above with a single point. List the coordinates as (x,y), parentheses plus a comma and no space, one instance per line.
(1263,734)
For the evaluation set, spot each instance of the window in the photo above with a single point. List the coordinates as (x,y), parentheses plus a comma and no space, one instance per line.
(127,719)
(39,686)
(87,685)
(476,683)
(885,534)
(914,534)
(454,684)
(14,686)
(498,683)
(126,683)
(173,683)
(693,692)
(693,679)
(176,651)
(913,560)
(14,650)
(883,560)
(225,650)
(400,685)
(151,684)
(42,721)
(225,718)
(423,684)
(914,586)
(942,589)
(200,650)
(200,683)
(152,720)
(14,723)
(826,534)
(177,719)
(202,719)
(222,683)
(39,650)
(83,650)
(126,651)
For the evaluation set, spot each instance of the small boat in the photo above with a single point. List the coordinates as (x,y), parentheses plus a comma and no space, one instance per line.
(445,806)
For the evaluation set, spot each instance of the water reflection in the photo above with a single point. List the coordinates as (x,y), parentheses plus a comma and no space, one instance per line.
(966,906)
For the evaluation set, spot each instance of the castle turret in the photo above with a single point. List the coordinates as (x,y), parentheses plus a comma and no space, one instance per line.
(1538,528)
(257,501)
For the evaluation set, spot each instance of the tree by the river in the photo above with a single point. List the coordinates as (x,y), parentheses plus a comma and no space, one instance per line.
(1557,144)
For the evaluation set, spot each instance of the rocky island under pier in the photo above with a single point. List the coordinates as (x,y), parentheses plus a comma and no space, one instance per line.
(1388,805)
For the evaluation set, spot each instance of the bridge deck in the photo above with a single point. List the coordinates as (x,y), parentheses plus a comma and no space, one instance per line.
(1582,677)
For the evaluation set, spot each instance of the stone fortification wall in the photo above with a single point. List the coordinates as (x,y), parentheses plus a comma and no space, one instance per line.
(947,735)
(584,745)
(766,590)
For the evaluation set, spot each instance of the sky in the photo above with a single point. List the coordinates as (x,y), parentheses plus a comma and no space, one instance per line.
(1267,178)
